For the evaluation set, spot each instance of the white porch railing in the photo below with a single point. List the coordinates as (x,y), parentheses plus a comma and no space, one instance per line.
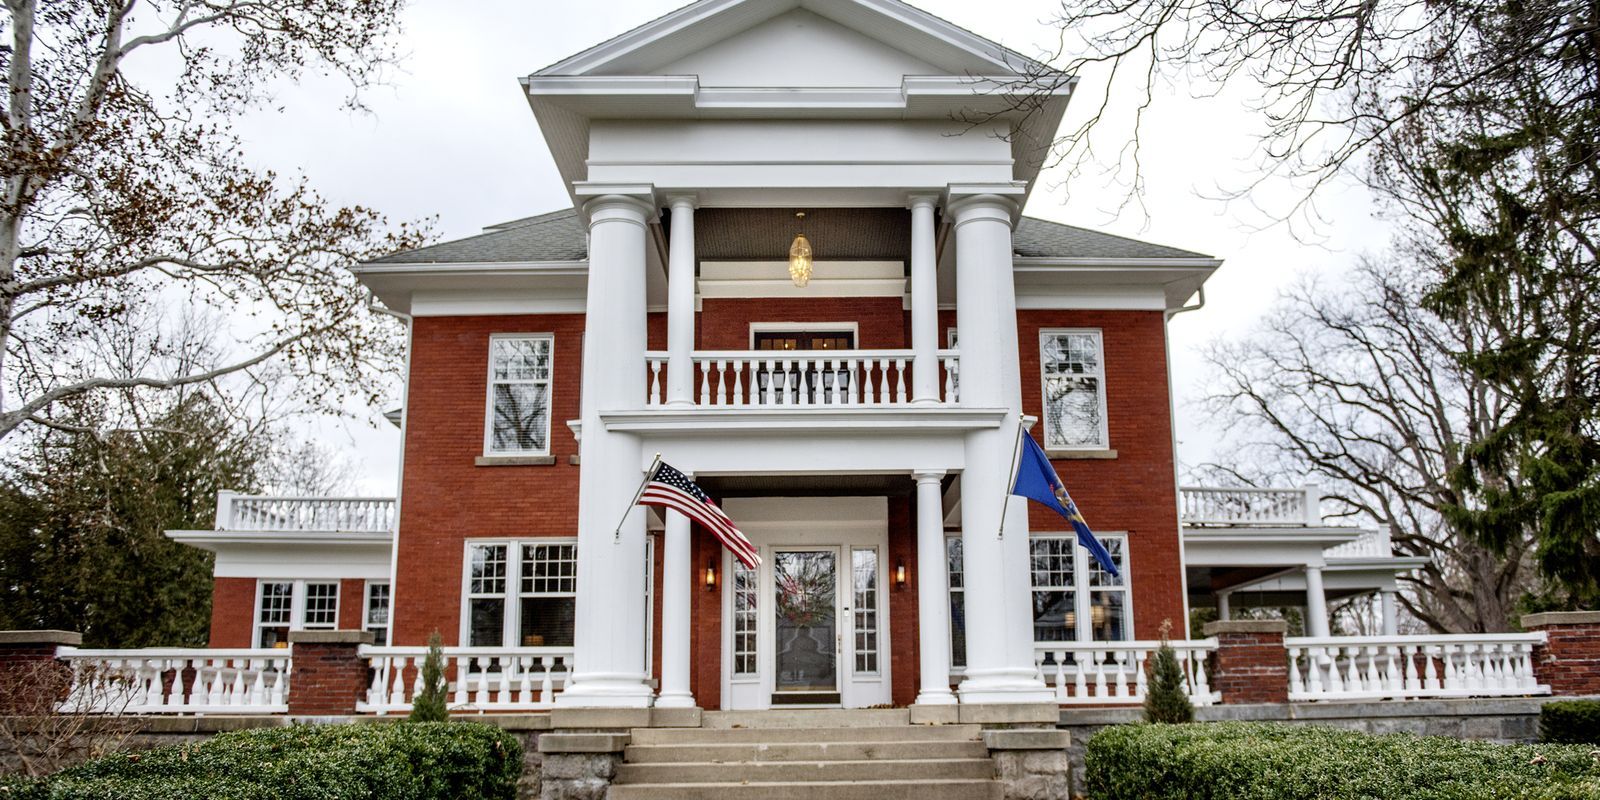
(237,512)
(1366,667)
(177,681)
(1370,544)
(1107,673)
(1208,505)
(806,378)
(480,678)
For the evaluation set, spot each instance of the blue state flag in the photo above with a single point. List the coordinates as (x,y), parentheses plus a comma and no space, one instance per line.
(1037,481)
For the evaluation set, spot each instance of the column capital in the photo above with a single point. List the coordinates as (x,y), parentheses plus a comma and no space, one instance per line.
(676,200)
(982,206)
(928,475)
(922,200)
(615,207)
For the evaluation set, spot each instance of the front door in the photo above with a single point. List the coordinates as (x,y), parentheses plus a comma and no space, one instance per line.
(807,641)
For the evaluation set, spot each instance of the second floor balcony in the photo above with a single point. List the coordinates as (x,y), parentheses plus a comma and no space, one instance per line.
(805,378)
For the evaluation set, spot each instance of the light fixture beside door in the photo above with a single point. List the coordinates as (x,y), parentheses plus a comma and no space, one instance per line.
(800,254)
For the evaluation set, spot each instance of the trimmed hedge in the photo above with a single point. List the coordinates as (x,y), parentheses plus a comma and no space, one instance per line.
(1264,761)
(425,761)
(1570,721)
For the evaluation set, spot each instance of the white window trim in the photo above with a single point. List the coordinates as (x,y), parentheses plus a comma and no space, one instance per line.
(512,618)
(366,610)
(1044,389)
(297,606)
(802,327)
(488,397)
(1081,590)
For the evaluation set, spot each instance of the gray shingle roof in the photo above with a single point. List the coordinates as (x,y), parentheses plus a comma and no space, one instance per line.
(558,236)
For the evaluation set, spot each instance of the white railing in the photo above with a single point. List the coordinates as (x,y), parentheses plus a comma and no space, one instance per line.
(1107,673)
(177,681)
(1368,667)
(1207,505)
(480,678)
(809,378)
(1370,544)
(238,512)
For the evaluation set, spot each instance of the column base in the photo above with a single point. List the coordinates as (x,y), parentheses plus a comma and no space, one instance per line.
(675,700)
(606,692)
(998,687)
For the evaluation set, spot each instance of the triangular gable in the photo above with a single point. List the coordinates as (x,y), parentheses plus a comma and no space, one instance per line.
(696,33)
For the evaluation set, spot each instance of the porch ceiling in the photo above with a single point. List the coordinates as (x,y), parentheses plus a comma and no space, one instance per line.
(877,485)
(836,234)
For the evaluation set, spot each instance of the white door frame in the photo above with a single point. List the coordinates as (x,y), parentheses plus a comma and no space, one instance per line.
(841,523)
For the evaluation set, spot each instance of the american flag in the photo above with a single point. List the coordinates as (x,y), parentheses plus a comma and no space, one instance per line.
(669,488)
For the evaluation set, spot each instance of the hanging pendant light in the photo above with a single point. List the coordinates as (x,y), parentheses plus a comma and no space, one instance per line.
(800,256)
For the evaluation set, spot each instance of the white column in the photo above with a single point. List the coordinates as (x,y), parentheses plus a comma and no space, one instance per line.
(1224,612)
(609,667)
(998,599)
(924,303)
(680,303)
(1391,618)
(1316,603)
(677,579)
(933,592)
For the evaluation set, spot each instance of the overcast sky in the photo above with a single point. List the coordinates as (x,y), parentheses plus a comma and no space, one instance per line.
(451,137)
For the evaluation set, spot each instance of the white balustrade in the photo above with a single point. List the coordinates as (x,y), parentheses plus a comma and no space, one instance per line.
(177,681)
(1370,544)
(1207,505)
(1110,673)
(1372,667)
(480,678)
(236,512)
(809,378)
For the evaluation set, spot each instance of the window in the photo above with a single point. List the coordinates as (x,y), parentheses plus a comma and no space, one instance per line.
(535,609)
(864,581)
(519,395)
(745,599)
(958,605)
(377,618)
(294,605)
(1073,599)
(1073,370)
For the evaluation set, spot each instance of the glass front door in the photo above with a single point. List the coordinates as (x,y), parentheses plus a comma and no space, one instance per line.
(806,611)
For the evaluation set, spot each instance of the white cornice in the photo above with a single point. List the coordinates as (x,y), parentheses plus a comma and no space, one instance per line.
(903,421)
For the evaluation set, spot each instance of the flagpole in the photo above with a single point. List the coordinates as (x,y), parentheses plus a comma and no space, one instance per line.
(1005,505)
(648,474)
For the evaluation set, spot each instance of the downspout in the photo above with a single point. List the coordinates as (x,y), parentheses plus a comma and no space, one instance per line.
(399,484)
(1172,414)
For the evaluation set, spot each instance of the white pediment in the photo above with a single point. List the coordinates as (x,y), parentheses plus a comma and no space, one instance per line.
(799,49)
(794,43)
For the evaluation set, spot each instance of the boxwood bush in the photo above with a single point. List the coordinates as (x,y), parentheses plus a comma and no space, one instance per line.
(1570,721)
(428,761)
(1263,761)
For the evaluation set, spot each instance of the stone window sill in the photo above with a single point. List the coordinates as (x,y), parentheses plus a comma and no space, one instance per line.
(514,461)
(1081,454)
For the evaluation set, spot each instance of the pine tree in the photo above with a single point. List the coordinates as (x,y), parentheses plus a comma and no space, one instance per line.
(1164,700)
(429,704)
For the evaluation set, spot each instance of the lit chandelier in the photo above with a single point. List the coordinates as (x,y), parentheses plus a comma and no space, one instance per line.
(800,255)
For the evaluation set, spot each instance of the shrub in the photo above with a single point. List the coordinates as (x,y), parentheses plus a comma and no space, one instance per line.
(371,761)
(1263,761)
(1164,700)
(430,705)
(1570,721)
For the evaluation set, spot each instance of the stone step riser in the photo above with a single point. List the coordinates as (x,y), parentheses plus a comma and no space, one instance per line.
(799,771)
(808,718)
(836,751)
(907,790)
(900,733)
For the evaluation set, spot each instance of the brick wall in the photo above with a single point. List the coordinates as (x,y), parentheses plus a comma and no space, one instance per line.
(233,604)
(1570,661)
(1252,665)
(725,323)
(31,680)
(329,676)
(902,601)
(1133,492)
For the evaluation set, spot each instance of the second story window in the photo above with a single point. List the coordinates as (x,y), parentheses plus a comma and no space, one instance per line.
(519,395)
(1072,364)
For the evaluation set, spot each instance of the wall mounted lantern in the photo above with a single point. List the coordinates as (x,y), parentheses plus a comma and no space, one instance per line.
(800,255)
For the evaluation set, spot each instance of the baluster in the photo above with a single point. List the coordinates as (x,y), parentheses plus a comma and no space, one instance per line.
(378,692)
(720,397)
(524,680)
(214,692)
(883,382)
(1119,686)
(1527,680)
(771,383)
(1080,677)
(1296,686)
(1408,678)
(237,690)
(280,682)
(197,684)
(1097,657)
(480,693)
(1392,682)
(547,684)
(174,690)
(1060,677)
(655,383)
(1314,656)
(868,388)
(900,381)
(738,381)
(1373,683)
(508,664)
(1429,672)
(1202,682)
(258,686)
(1353,676)
(416,672)
(1452,674)
(1140,685)
(702,371)
(463,669)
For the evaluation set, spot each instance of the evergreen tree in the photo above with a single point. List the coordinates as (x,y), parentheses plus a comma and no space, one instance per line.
(429,704)
(1164,700)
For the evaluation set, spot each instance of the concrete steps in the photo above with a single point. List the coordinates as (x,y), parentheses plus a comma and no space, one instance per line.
(801,756)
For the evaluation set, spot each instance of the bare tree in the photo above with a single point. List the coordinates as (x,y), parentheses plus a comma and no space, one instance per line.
(1360,385)
(117,198)
(53,718)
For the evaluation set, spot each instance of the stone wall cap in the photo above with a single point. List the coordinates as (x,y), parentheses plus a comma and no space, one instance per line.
(69,638)
(1531,621)
(583,742)
(1245,626)
(330,637)
(1023,739)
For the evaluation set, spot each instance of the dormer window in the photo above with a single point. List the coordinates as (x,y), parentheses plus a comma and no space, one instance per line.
(519,395)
